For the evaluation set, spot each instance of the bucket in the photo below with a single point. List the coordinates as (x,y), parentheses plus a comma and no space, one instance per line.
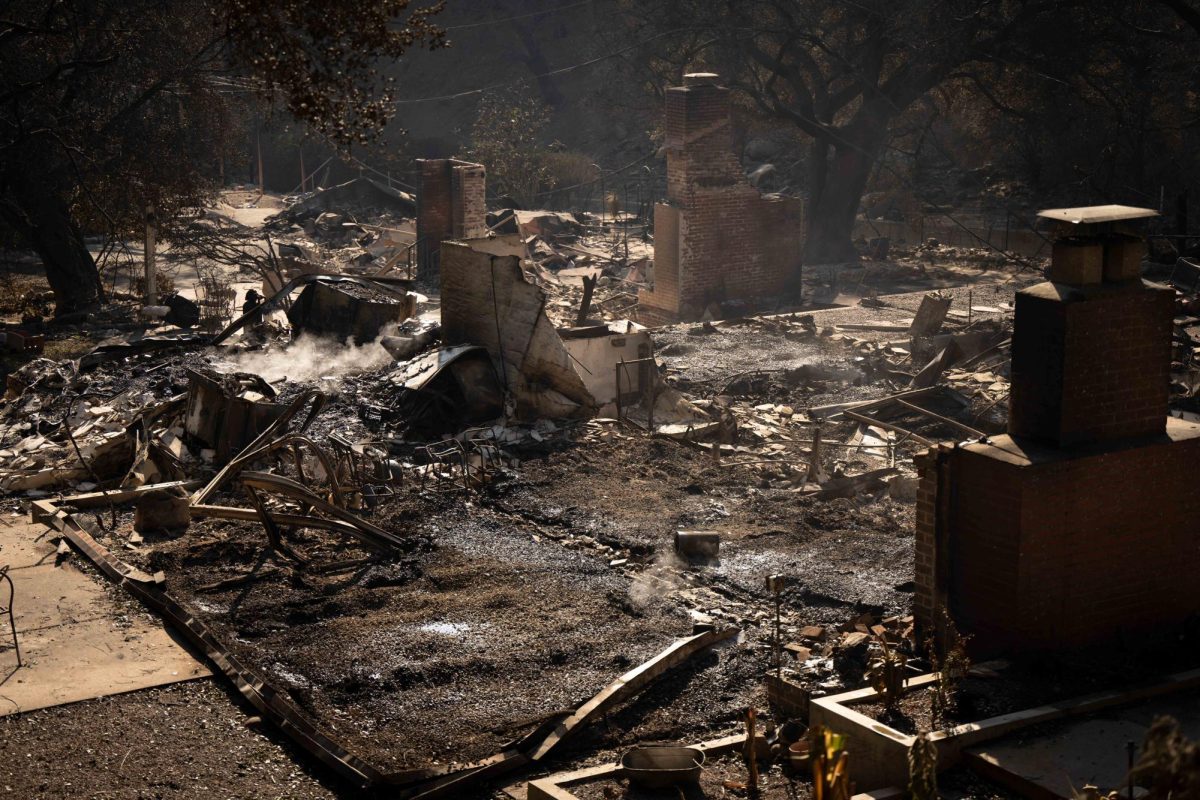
(658,767)
(798,754)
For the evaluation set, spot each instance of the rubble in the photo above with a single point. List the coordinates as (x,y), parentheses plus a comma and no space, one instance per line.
(346,310)
(165,509)
(226,412)
(486,301)
(367,503)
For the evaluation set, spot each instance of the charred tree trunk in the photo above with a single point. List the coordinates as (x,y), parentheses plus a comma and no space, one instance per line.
(40,215)
(539,67)
(838,177)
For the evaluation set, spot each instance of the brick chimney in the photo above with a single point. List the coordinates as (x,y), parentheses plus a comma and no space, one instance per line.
(1081,526)
(1091,353)
(716,239)
(699,137)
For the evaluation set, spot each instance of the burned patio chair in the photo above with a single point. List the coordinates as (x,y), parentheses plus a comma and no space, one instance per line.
(7,608)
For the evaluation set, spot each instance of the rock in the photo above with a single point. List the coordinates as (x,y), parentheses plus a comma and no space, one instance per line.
(761,149)
(903,487)
(815,632)
(162,510)
(798,650)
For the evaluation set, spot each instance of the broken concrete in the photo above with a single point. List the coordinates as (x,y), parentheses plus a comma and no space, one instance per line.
(162,511)
(487,301)
(605,355)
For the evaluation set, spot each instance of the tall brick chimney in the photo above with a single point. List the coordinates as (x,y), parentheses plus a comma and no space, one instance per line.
(699,137)
(1081,526)
(451,204)
(716,239)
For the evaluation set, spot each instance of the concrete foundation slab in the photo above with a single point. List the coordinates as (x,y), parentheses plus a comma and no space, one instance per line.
(881,752)
(26,546)
(76,642)
(1068,755)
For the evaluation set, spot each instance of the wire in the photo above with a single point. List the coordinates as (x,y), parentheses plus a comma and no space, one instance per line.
(598,178)
(496,316)
(368,167)
(559,71)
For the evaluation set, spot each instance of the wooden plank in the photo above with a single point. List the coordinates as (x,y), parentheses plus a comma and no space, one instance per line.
(854,415)
(453,785)
(944,420)
(250,515)
(95,499)
(629,684)
(832,410)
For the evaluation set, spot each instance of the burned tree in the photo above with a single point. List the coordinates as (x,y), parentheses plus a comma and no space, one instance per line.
(111,107)
(844,74)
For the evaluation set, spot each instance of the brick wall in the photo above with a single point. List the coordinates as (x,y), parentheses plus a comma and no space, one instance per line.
(927,593)
(1050,550)
(1090,363)
(1081,527)
(469,198)
(699,140)
(434,206)
(717,239)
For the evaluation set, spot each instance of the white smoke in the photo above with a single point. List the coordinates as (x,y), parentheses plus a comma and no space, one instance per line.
(657,580)
(309,359)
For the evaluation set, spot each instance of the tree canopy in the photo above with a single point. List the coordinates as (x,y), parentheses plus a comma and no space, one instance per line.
(851,76)
(110,106)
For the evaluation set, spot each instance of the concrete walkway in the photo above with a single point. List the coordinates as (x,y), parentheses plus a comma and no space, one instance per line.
(78,640)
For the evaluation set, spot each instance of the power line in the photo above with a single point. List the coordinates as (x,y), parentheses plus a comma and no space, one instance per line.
(559,71)
(600,177)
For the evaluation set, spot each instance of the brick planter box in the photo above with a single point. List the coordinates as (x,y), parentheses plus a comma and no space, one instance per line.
(787,695)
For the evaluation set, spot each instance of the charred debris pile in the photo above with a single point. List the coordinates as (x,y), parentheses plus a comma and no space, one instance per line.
(433,539)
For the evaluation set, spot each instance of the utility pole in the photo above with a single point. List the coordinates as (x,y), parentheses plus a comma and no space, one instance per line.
(148,256)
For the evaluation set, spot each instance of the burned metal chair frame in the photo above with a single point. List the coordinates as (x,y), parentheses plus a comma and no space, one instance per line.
(365,467)
(265,443)
(458,453)
(270,441)
(258,484)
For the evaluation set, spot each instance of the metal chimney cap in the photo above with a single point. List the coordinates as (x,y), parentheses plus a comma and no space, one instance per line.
(1092,215)
(701,79)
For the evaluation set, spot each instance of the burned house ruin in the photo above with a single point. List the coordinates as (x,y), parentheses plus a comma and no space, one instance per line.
(584,485)
(717,239)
